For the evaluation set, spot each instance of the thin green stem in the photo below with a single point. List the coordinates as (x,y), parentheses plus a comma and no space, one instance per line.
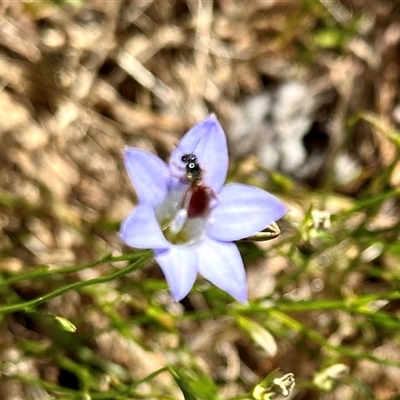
(291,323)
(44,271)
(32,304)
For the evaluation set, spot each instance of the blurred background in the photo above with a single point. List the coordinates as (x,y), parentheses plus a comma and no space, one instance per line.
(308,93)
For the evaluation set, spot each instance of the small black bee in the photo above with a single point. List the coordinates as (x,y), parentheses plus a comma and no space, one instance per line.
(198,204)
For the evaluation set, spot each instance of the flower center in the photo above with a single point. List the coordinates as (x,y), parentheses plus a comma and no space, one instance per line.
(176,225)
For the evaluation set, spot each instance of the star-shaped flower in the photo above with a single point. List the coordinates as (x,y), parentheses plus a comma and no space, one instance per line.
(189,218)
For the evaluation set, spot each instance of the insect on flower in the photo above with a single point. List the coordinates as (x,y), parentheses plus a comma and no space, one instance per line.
(189,217)
(198,195)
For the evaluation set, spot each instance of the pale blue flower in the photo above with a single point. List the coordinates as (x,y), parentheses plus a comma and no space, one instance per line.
(183,245)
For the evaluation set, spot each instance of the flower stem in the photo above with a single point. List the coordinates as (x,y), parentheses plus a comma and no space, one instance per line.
(30,305)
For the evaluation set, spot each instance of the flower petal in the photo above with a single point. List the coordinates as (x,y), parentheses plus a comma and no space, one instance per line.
(141,229)
(207,141)
(241,211)
(149,175)
(221,264)
(179,265)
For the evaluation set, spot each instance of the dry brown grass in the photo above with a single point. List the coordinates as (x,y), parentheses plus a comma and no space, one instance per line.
(81,81)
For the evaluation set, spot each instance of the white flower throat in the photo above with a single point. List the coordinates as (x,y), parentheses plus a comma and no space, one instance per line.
(177,227)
